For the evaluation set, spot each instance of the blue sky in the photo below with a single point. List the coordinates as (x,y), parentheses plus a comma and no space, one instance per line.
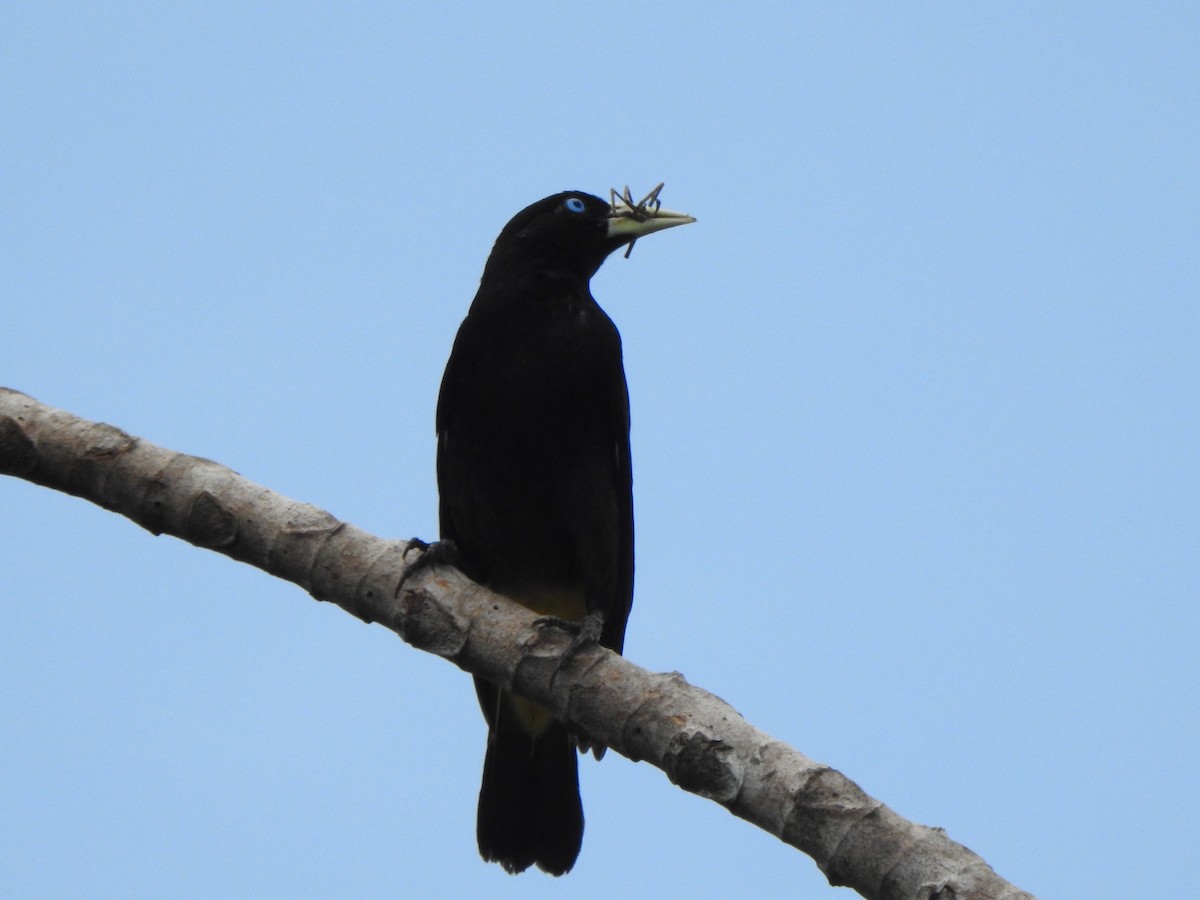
(914,424)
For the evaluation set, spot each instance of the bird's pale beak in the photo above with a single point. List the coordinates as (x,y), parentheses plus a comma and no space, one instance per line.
(628,221)
(625,226)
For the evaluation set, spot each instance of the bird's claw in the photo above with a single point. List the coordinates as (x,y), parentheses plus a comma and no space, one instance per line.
(585,633)
(440,553)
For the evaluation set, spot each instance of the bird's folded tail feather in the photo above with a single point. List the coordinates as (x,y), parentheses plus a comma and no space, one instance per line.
(529,807)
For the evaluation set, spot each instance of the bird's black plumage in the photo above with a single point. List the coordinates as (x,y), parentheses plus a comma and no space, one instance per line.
(535,487)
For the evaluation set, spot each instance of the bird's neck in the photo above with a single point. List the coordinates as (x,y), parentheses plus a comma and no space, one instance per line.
(534,289)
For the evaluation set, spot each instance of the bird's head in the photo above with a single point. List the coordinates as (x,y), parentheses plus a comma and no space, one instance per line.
(572,233)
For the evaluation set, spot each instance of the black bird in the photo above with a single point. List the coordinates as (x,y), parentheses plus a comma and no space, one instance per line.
(535,486)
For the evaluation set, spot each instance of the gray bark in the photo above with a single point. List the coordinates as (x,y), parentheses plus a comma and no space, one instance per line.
(698,740)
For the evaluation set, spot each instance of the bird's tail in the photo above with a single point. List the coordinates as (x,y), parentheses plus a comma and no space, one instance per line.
(529,807)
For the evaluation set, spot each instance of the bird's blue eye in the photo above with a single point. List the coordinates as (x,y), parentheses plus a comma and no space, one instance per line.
(574,204)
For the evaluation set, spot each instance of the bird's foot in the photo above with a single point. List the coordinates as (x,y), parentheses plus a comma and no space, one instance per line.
(440,553)
(586,744)
(585,632)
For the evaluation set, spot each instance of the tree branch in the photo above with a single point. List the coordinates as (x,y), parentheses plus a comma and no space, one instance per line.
(701,742)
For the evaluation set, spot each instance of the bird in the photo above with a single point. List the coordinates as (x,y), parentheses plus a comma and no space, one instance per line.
(535,487)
